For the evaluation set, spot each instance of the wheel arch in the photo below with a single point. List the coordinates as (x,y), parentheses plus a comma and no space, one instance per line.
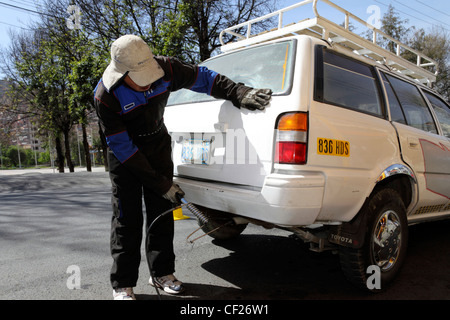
(398,177)
(401,178)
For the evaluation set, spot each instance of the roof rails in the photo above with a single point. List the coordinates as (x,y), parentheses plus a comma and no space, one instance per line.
(424,70)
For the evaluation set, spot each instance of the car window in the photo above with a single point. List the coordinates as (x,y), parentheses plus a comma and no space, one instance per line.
(413,104)
(397,114)
(350,84)
(442,111)
(268,66)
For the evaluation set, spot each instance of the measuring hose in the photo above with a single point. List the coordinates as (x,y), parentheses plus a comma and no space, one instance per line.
(197,213)
(147,241)
(200,216)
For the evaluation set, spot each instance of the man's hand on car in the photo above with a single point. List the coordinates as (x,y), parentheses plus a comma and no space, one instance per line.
(256,99)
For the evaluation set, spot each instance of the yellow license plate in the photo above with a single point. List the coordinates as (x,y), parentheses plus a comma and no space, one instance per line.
(333,147)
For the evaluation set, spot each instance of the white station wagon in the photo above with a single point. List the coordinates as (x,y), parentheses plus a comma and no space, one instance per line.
(354,147)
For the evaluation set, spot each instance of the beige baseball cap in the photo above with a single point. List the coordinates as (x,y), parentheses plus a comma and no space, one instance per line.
(131,54)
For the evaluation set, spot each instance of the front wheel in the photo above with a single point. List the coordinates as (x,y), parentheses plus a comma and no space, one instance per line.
(377,262)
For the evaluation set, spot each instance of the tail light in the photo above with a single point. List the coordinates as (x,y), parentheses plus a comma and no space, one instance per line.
(291,138)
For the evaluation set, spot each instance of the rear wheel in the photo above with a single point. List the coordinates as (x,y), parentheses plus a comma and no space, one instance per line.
(223,222)
(376,264)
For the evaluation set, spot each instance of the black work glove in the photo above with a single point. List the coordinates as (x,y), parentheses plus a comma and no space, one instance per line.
(174,194)
(256,99)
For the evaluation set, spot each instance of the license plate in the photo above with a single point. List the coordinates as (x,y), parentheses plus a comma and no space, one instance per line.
(333,147)
(196,152)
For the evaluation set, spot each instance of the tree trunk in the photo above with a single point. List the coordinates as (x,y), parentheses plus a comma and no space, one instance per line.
(67,151)
(104,148)
(59,155)
(87,155)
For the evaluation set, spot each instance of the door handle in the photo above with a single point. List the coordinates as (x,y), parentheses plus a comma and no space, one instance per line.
(413,142)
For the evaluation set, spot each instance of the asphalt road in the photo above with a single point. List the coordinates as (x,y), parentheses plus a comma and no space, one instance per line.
(54,242)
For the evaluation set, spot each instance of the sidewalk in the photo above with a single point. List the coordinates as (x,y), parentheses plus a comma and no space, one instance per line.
(48,170)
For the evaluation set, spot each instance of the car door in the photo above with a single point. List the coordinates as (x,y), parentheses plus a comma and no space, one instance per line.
(442,112)
(423,146)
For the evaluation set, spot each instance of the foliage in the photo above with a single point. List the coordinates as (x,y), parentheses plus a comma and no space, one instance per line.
(395,27)
(435,44)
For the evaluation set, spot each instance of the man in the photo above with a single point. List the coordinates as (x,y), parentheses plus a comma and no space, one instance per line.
(130,100)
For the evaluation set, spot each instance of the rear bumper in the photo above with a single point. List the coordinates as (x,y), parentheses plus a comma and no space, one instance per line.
(285,200)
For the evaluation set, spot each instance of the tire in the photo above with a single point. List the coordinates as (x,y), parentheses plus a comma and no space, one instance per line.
(375,265)
(220,219)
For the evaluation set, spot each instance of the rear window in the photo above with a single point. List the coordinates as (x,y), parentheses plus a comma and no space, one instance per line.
(347,83)
(269,66)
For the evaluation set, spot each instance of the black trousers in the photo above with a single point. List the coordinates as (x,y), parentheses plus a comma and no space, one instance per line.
(128,220)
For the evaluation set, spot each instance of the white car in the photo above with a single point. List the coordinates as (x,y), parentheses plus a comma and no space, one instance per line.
(353,148)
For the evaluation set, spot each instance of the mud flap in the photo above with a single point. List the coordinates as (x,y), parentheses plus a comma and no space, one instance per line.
(350,234)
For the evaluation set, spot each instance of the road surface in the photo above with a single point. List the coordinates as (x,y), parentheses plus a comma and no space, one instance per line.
(54,240)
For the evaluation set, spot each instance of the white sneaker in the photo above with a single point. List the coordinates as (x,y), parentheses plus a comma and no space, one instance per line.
(123,294)
(168,283)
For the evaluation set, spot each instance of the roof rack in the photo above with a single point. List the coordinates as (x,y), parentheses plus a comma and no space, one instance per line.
(424,71)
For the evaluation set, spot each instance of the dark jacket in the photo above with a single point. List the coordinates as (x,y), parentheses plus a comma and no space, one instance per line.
(128,117)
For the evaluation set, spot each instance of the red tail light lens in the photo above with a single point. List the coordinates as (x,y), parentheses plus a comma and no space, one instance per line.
(287,152)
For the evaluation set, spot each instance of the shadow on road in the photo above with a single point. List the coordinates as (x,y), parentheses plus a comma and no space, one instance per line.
(281,268)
